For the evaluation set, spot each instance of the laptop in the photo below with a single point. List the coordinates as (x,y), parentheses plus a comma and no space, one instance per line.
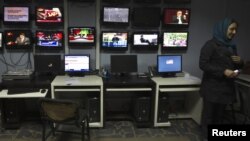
(47,64)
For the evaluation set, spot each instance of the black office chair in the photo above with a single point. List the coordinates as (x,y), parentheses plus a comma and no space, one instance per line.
(56,112)
(244,98)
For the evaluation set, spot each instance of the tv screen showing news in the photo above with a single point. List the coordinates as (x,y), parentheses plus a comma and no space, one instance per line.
(115,15)
(169,64)
(81,36)
(16,14)
(114,40)
(77,63)
(18,39)
(123,64)
(1,40)
(49,39)
(146,17)
(147,40)
(176,17)
(49,16)
(175,40)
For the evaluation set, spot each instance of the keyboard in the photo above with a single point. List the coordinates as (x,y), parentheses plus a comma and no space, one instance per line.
(13,91)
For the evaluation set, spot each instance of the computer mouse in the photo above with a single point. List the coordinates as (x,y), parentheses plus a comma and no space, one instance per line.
(43,90)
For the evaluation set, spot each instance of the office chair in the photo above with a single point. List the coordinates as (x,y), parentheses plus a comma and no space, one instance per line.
(244,98)
(56,112)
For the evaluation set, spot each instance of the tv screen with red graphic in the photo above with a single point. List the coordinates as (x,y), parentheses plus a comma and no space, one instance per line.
(49,39)
(81,36)
(18,39)
(49,16)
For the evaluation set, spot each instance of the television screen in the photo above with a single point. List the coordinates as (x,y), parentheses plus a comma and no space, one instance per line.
(17,1)
(146,17)
(18,39)
(145,40)
(1,40)
(115,15)
(123,64)
(168,65)
(176,17)
(49,16)
(114,40)
(14,15)
(76,63)
(147,1)
(47,64)
(49,39)
(81,36)
(175,40)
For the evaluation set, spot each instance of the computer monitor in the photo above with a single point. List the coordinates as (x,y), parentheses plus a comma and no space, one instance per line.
(47,64)
(169,65)
(123,65)
(77,65)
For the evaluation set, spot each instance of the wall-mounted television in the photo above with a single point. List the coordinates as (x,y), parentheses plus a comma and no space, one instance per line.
(169,65)
(145,40)
(146,16)
(175,40)
(18,39)
(49,16)
(176,17)
(49,39)
(81,36)
(17,1)
(147,1)
(1,40)
(114,40)
(115,15)
(177,1)
(16,14)
(76,64)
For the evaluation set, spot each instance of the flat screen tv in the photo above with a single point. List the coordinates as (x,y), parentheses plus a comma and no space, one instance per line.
(147,1)
(123,65)
(16,15)
(81,36)
(49,39)
(169,65)
(175,40)
(115,15)
(49,16)
(176,17)
(114,40)
(1,40)
(47,64)
(146,17)
(18,39)
(145,40)
(76,64)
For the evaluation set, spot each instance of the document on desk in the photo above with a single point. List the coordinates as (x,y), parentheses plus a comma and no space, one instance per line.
(72,81)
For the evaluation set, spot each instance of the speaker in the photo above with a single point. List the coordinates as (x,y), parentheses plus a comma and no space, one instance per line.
(142,109)
(163,109)
(94,109)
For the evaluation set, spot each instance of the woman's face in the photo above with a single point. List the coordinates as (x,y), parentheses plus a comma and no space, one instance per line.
(231,31)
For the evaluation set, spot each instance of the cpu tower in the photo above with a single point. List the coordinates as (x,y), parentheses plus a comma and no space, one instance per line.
(94,109)
(142,110)
(163,109)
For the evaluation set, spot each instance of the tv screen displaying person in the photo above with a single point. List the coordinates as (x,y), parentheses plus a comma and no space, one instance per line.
(22,39)
(179,18)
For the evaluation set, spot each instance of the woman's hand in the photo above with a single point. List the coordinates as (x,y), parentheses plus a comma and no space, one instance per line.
(230,73)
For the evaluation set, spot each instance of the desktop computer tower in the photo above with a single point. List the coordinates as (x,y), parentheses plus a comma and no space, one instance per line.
(93,106)
(142,109)
(163,109)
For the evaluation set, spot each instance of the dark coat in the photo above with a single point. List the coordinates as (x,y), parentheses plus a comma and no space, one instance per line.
(214,59)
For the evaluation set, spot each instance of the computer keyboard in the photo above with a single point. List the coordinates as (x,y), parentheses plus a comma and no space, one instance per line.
(12,91)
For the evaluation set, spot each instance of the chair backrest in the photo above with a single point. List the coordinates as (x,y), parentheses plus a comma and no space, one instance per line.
(58,110)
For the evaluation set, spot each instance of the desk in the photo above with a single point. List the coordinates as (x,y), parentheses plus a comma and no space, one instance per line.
(174,85)
(88,83)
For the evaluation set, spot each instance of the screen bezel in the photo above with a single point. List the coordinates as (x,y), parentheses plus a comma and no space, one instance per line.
(49,47)
(2,40)
(145,47)
(72,72)
(116,1)
(168,73)
(165,24)
(18,47)
(147,1)
(16,22)
(108,23)
(177,1)
(174,47)
(79,45)
(49,23)
(114,48)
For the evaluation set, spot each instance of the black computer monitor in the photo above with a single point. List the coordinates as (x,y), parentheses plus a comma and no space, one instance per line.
(47,64)
(123,65)
(169,65)
(76,65)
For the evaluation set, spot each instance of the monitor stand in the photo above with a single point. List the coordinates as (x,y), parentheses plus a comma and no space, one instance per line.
(76,74)
(166,75)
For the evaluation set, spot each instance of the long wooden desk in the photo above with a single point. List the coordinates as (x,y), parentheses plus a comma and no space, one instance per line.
(88,83)
(179,85)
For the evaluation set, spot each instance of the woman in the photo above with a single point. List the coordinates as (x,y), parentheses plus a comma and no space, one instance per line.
(219,62)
